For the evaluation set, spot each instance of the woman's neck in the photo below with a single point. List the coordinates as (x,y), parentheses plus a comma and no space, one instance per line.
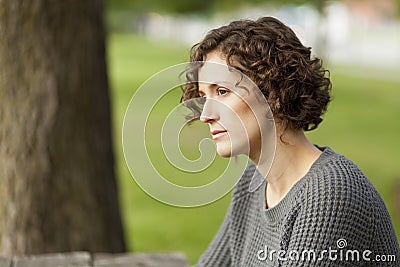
(293,159)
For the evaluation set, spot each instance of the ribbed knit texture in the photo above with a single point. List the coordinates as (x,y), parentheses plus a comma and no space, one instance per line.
(333,202)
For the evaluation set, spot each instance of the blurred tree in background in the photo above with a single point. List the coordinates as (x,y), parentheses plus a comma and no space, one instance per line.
(57,189)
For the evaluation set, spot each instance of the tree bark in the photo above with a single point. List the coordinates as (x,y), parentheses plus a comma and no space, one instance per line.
(57,189)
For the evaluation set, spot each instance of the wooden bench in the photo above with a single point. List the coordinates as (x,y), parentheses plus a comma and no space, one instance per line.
(85,259)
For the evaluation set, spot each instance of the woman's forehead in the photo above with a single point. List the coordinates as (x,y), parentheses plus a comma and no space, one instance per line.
(215,71)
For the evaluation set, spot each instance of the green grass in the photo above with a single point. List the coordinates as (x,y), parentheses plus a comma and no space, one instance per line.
(361,123)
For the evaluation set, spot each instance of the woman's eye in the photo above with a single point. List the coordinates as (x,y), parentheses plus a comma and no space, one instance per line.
(222,91)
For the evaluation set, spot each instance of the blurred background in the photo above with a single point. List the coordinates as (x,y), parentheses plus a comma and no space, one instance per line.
(359,41)
(66,79)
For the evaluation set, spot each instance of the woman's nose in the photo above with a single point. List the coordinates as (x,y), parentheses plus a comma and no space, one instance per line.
(209,112)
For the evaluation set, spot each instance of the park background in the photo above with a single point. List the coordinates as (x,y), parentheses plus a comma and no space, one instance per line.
(43,210)
(361,49)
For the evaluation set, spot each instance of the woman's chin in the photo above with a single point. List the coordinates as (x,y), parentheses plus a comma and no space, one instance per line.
(224,152)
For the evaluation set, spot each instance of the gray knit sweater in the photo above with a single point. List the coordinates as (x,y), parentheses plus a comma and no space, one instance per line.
(333,216)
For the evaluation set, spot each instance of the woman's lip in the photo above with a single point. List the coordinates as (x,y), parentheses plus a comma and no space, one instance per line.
(217,134)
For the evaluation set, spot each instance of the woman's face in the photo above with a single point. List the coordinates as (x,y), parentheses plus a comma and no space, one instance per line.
(233,114)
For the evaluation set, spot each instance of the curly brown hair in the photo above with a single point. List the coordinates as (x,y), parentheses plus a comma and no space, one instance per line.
(296,86)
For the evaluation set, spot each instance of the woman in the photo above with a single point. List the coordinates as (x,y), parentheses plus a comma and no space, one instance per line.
(313,207)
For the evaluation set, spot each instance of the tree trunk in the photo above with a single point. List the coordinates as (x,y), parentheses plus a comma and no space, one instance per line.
(57,189)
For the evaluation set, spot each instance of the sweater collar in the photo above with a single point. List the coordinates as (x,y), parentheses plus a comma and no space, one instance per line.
(280,210)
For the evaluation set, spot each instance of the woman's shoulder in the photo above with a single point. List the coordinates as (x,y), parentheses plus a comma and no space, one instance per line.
(335,180)
(335,171)
(339,202)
